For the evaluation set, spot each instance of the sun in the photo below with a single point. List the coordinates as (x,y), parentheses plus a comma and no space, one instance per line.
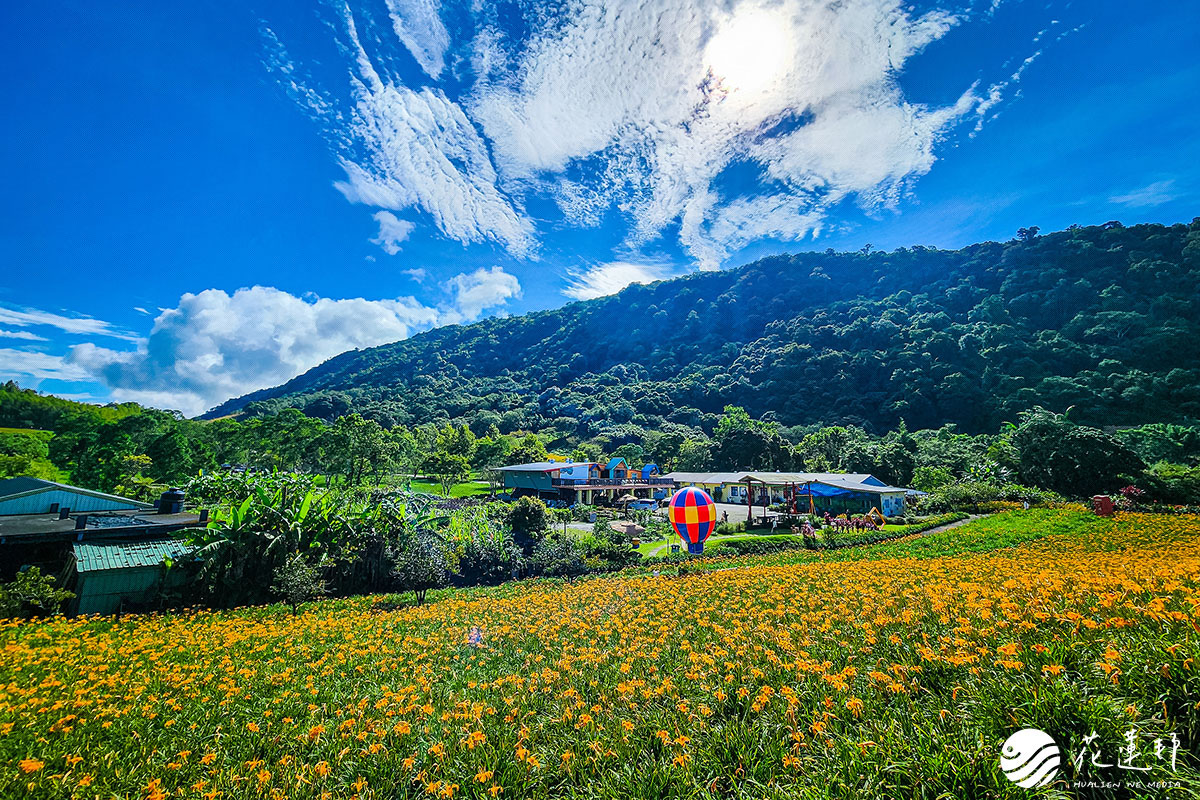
(750,50)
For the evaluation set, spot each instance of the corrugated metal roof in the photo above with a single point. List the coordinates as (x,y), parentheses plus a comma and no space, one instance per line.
(18,485)
(856,481)
(92,556)
(541,466)
(14,487)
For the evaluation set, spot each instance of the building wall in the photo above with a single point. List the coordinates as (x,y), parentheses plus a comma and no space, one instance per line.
(102,591)
(40,503)
(535,481)
(578,472)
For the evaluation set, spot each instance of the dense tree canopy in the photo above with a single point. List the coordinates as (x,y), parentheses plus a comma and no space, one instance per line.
(1104,318)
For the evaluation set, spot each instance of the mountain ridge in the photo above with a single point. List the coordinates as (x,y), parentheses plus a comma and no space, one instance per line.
(1083,317)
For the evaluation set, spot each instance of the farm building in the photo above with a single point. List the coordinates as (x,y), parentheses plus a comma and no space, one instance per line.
(834,492)
(110,576)
(37,496)
(584,482)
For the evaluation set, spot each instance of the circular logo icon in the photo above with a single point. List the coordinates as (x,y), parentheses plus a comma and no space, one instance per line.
(1029,758)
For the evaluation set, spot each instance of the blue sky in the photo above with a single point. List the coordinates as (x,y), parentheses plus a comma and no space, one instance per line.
(204,201)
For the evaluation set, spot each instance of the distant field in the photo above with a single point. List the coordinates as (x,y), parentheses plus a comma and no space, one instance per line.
(29,432)
(459,490)
(875,672)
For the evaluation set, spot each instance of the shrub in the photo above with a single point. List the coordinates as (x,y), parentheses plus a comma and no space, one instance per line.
(970,494)
(529,519)
(558,556)
(32,594)
(1173,483)
(297,581)
(421,566)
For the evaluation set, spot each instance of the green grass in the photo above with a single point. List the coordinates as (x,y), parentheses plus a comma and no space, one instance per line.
(468,489)
(47,435)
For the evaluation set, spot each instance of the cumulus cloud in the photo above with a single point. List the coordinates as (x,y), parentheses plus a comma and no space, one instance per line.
(475,292)
(215,345)
(644,109)
(392,231)
(610,278)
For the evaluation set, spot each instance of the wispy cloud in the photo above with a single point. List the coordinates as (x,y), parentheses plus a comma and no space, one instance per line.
(1155,194)
(642,109)
(610,278)
(25,365)
(26,335)
(418,26)
(26,317)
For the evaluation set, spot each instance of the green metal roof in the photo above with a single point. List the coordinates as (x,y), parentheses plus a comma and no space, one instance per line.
(92,556)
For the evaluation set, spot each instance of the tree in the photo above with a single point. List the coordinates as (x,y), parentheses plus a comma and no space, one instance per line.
(297,581)
(359,447)
(449,468)
(491,452)
(926,479)
(457,441)
(26,454)
(1075,460)
(745,443)
(530,450)
(835,449)
(695,455)
(421,565)
(529,520)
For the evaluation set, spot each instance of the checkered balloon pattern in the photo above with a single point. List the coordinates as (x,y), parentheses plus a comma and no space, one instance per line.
(692,514)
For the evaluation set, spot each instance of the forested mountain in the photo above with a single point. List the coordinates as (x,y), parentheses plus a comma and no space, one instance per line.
(1104,318)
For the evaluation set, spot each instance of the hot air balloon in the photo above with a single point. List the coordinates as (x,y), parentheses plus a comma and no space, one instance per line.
(694,516)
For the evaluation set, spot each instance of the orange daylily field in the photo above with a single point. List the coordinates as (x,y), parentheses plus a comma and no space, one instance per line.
(891,671)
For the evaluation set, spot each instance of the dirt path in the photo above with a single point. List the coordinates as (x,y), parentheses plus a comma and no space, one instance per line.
(949,525)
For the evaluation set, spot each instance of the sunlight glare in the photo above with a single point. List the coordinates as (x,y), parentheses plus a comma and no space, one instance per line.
(750,50)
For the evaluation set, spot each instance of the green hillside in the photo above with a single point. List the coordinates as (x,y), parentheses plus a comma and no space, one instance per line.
(1104,318)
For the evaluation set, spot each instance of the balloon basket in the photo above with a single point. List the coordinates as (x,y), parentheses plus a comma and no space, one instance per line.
(696,548)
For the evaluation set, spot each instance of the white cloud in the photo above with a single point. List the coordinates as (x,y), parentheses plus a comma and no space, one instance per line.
(26,335)
(475,292)
(803,92)
(392,231)
(32,317)
(214,345)
(1156,194)
(416,273)
(418,26)
(417,149)
(23,364)
(610,278)
(644,109)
